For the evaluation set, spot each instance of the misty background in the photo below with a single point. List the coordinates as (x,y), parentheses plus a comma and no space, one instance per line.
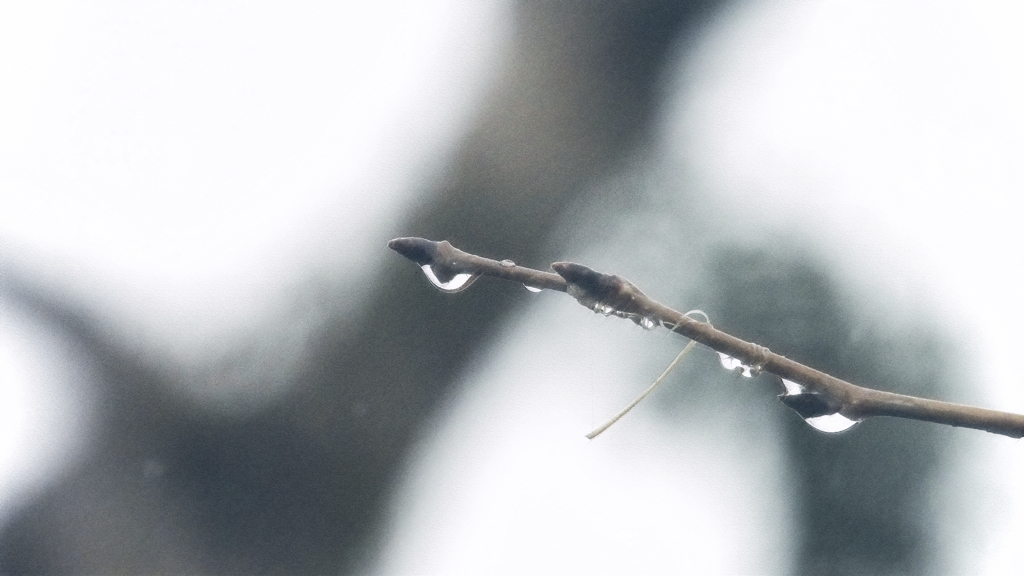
(210,363)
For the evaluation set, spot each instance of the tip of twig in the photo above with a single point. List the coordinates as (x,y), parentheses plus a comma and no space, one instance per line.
(419,250)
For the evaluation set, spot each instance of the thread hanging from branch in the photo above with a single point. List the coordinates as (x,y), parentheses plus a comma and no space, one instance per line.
(686,350)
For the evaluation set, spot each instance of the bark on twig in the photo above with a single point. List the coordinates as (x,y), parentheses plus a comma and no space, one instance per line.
(612,295)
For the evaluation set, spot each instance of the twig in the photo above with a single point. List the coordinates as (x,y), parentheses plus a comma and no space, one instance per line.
(820,394)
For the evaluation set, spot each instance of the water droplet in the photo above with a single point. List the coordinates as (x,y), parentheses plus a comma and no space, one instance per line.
(648,323)
(807,403)
(458,283)
(603,309)
(507,263)
(831,423)
(792,388)
(532,288)
(730,363)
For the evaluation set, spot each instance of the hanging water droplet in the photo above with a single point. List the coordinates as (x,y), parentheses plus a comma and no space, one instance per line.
(458,283)
(831,423)
(809,403)
(648,323)
(603,309)
(792,388)
(532,288)
(730,363)
(507,263)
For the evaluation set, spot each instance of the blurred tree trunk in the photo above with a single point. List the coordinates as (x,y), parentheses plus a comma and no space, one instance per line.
(299,488)
(861,496)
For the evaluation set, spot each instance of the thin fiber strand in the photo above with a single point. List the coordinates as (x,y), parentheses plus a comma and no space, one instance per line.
(644,394)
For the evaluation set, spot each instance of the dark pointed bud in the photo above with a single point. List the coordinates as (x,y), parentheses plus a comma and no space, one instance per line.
(810,405)
(592,288)
(419,250)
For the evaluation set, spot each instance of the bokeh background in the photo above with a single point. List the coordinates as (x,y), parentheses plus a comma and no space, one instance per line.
(210,363)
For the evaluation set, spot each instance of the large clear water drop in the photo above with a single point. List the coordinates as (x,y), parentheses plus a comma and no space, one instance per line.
(730,363)
(603,309)
(458,283)
(648,323)
(831,423)
(792,388)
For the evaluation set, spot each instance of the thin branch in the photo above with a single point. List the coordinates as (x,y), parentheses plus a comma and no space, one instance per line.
(817,394)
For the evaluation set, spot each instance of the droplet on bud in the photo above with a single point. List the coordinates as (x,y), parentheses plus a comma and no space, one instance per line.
(730,363)
(831,423)
(458,283)
(792,388)
(648,323)
(815,409)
